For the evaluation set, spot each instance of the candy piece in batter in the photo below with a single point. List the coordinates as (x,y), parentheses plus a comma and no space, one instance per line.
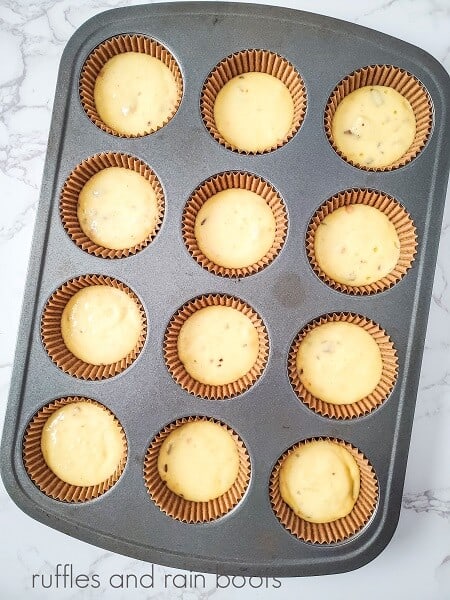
(135,93)
(218,345)
(339,362)
(235,228)
(320,481)
(101,324)
(199,461)
(254,112)
(117,208)
(356,245)
(374,126)
(82,444)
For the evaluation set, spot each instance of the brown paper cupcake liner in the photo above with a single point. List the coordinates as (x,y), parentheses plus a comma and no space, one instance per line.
(399,218)
(118,45)
(246,61)
(176,367)
(41,475)
(76,181)
(368,403)
(334,531)
(224,181)
(186,510)
(53,340)
(401,81)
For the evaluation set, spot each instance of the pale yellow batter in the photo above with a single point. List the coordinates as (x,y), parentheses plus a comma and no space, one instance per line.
(199,461)
(254,112)
(117,208)
(135,93)
(339,362)
(82,444)
(356,245)
(235,228)
(218,345)
(374,126)
(320,481)
(101,324)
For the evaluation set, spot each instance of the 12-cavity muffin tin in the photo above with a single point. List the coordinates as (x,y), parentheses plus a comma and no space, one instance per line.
(250,534)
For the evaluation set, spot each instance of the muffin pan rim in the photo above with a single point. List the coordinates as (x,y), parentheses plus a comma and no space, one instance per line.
(422,260)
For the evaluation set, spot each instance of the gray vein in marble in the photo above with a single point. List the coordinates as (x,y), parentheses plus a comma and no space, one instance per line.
(29,10)
(440,300)
(429,502)
(99,560)
(446,55)
(24,555)
(383,6)
(181,594)
(441,345)
(9,91)
(435,7)
(443,382)
(439,6)
(23,219)
(21,149)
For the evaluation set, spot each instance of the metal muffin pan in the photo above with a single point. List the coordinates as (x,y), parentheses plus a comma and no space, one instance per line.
(287,294)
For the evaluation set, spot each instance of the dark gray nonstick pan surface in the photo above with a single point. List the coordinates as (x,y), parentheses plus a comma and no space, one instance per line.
(287,294)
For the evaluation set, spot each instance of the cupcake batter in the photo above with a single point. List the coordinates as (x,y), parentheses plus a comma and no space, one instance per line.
(101,324)
(117,208)
(339,362)
(320,481)
(199,461)
(235,228)
(254,112)
(356,245)
(82,443)
(374,126)
(218,345)
(135,93)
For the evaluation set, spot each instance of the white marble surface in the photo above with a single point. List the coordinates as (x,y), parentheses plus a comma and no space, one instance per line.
(416,564)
